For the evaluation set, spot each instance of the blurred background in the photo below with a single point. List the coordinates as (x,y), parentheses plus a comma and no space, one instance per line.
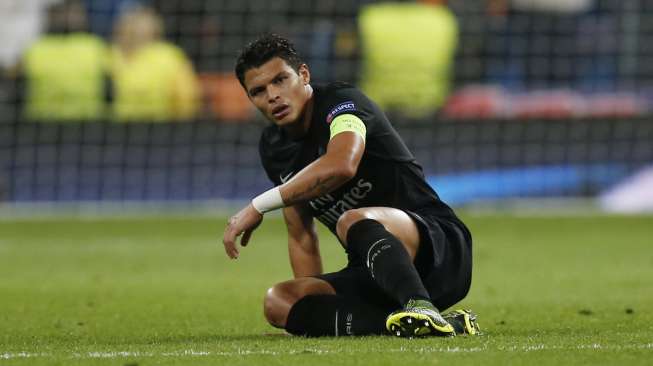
(505,103)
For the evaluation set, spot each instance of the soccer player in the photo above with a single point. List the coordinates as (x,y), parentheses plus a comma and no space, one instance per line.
(333,155)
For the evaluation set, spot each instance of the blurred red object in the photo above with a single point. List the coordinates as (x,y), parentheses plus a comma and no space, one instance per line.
(490,102)
(546,104)
(475,102)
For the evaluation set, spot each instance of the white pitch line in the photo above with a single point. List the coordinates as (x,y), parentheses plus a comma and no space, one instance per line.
(111,354)
(246,352)
(9,356)
(438,349)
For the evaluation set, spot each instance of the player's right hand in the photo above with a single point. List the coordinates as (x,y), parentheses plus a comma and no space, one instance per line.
(242,223)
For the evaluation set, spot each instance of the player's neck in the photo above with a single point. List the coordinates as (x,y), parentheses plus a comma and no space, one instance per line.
(300,128)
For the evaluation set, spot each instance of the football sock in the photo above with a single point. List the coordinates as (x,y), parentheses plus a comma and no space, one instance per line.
(387,260)
(334,315)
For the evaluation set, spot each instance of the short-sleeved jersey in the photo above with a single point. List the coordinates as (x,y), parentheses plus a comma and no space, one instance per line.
(387,175)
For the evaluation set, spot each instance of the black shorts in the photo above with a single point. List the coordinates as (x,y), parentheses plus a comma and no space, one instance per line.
(443,261)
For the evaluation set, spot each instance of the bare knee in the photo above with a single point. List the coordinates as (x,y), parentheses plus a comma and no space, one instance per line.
(277,303)
(281,297)
(349,218)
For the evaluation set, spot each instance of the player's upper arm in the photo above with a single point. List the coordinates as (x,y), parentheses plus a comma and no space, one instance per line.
(347,142)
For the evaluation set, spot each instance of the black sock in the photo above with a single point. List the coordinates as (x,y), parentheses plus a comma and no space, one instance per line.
(334,315)
(387,260)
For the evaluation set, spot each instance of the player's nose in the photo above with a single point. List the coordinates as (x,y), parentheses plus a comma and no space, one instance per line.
(273,93)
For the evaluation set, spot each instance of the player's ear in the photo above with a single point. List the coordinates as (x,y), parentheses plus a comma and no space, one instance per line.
(304,73)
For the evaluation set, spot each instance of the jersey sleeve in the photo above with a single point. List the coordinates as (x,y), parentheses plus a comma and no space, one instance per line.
(345,103)
(348,109)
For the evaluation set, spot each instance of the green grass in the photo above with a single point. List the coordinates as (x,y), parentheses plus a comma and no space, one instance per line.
(159,291)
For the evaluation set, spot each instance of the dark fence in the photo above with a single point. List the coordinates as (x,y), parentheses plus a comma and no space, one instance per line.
(205,161)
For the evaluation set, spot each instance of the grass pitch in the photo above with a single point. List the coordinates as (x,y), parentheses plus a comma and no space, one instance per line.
(160,291)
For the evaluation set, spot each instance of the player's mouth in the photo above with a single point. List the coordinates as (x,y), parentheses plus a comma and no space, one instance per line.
(281,111)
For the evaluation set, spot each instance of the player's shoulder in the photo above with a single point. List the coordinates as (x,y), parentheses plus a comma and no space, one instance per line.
(338,90)
(338,85)
(338,98)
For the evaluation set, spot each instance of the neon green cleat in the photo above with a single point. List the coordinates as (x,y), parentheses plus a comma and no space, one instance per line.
(463,321)
(418,319)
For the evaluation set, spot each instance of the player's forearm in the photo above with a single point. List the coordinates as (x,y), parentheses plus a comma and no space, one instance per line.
(305,259)
(322,176)
(317,179)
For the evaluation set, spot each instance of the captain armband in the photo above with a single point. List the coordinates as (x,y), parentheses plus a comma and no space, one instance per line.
(347,122)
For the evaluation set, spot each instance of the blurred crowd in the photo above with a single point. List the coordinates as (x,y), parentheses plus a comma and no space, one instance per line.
(66,73)
(62,60)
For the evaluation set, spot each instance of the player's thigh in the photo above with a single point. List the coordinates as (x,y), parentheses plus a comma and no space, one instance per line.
(396,221)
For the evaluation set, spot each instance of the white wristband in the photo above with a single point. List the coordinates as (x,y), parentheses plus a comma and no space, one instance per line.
(268,201)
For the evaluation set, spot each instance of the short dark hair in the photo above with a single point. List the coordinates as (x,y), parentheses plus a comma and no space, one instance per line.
(262,50)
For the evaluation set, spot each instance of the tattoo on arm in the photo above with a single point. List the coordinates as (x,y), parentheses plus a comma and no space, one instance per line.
(319,187)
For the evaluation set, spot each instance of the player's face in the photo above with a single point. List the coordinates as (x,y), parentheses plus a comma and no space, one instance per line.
(278,91)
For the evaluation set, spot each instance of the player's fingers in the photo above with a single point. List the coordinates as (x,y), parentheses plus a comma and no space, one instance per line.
(229,241)
(231,251)
(245,239)
(230,228)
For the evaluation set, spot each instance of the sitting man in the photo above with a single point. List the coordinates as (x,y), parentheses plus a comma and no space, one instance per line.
(333,155)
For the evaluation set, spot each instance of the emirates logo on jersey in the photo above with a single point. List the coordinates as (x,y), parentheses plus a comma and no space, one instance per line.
(329,208)
(340,108)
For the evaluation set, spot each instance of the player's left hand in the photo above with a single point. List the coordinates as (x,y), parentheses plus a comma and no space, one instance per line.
(244,222)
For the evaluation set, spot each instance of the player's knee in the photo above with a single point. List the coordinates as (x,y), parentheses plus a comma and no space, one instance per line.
(347,219)
(277,303)
(273,308)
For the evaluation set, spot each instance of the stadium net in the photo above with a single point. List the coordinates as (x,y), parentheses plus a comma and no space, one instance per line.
(135,101)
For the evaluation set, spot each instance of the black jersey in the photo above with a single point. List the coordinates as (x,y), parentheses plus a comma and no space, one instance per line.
(387,175)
